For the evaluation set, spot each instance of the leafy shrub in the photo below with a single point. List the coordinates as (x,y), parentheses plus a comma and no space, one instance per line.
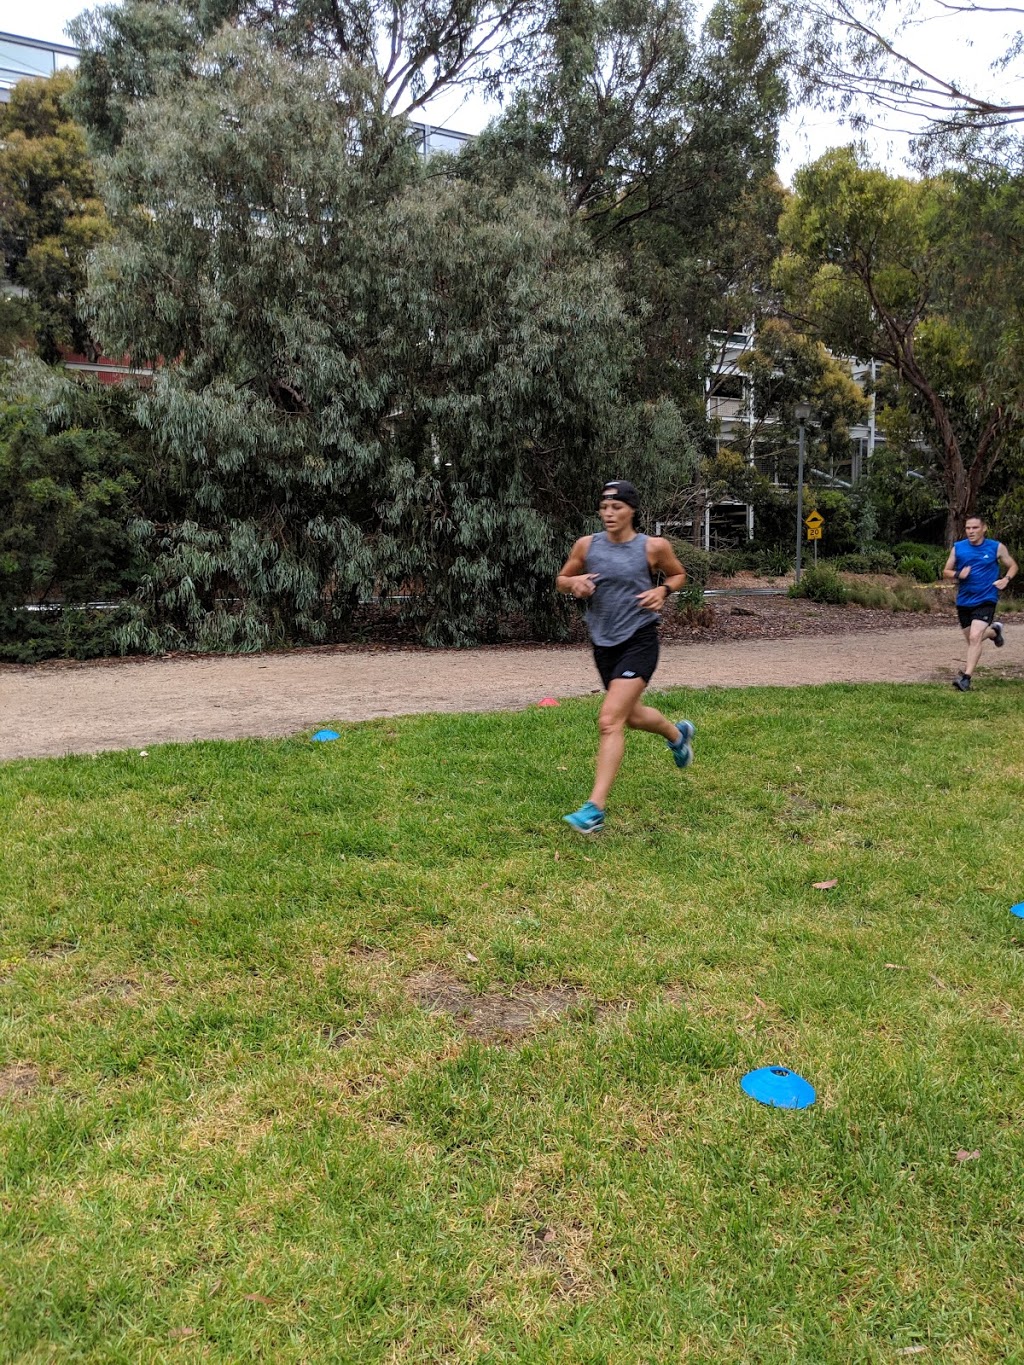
(773,563)
(839,534)
(693,607)
(695,561)
(822,584)
(747,558)
(923,562)
(67,486)
(870,595)
(871,561)
(727,563)
(28,637)
(923,570)
(916,549)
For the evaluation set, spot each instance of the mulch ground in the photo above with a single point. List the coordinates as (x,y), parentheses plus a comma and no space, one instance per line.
(779,618)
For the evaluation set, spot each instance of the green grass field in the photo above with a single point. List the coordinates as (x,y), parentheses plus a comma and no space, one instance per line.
(237,1124)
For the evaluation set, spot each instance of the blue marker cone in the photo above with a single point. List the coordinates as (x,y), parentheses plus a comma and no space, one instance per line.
(1018,910)
(324,736)
(779,1087)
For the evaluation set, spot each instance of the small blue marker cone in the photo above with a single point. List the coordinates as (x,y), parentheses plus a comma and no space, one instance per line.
(325,736)
(1018,910)
(779,1087)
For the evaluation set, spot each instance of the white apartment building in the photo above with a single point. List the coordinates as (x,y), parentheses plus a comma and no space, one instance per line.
(730,413)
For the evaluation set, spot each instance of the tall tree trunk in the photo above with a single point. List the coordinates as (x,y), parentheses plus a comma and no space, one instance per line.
(959,500)
(959,492)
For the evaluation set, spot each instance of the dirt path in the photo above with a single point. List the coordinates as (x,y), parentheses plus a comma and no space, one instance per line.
(84,708)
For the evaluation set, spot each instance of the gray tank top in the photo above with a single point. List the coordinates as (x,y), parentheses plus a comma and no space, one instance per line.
(613,614)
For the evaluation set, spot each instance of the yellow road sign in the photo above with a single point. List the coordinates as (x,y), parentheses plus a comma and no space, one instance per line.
(814,533)
(814,519)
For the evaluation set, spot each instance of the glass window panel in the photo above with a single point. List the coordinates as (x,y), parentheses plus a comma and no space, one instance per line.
(18,60)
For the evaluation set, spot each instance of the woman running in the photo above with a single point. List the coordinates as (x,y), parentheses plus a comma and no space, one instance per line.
(615,572)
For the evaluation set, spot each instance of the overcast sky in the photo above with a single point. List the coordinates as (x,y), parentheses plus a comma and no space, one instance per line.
(959,46)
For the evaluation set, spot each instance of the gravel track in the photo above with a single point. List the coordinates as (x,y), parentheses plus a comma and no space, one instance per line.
(50,710)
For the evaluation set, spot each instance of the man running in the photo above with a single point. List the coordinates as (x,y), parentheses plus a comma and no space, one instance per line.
(614,571)
(974,565)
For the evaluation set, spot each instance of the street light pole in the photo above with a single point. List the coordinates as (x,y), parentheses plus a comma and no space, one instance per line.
(801,417)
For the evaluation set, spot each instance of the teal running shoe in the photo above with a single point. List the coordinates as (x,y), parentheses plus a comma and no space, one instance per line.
(682,750)
(589,819)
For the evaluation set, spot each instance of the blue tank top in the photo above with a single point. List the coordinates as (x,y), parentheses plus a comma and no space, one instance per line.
(613,613)
(979,586)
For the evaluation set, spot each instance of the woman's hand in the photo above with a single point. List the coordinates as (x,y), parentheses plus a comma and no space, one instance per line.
(654,598)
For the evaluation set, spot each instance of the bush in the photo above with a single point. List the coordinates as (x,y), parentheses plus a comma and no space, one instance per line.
(822,584)
(870,595)
(916,549)
(29,637)
(773,563)
(695,561)
(67,491)
(727,563)
(871,561)
(923,570)
(839,534)
(923,562)
(692,606)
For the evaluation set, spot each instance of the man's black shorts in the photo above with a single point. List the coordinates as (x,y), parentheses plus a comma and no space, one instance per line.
(636,657)
(984,611)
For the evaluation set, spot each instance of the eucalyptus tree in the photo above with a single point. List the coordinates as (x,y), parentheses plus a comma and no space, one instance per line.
(892,54)
(379,379)
(926,276)
(50,218)
(663,138)
(403,53)
(385,378)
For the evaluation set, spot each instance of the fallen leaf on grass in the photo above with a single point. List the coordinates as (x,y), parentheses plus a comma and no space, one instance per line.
(472,957)
(826,886)
(912,1351)
(964,1155)
(557,857)
(178,1332)
(939,981)
(895,967)
(258,1298)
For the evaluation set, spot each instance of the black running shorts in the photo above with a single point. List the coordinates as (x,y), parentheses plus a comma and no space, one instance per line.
(984,611)
(636,657)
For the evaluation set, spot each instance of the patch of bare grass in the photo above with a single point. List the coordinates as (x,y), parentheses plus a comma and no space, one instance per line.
(493,1016)
(18,1080)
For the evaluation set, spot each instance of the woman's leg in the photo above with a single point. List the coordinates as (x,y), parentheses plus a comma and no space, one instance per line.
(648,718)
(622,698)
